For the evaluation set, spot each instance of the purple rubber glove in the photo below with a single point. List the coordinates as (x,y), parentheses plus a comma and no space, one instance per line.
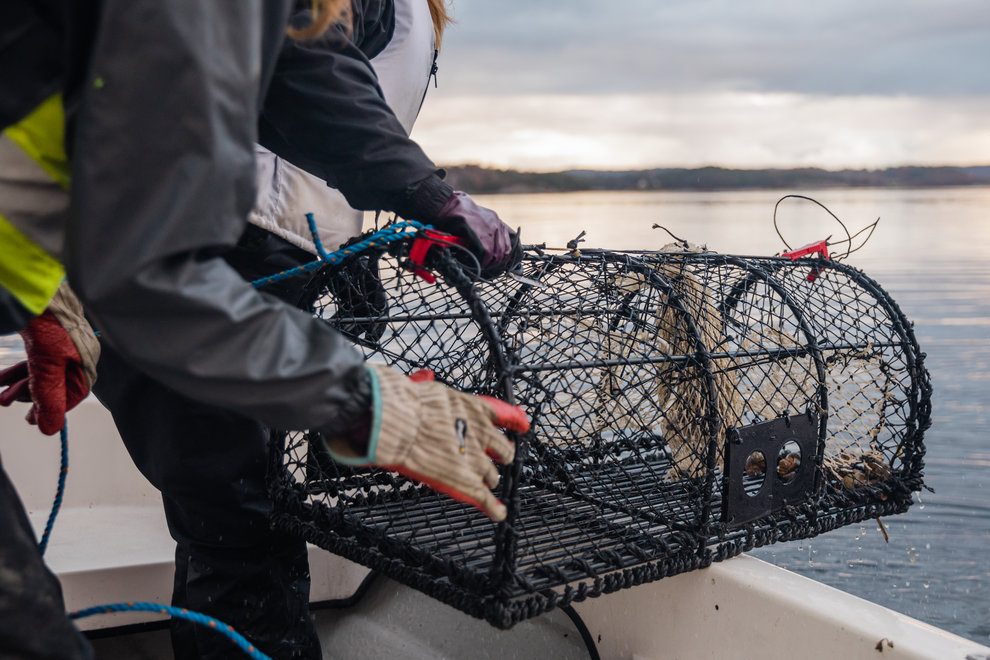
(494,243)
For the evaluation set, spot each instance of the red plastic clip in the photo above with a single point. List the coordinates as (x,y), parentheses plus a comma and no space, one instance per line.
(421,246)
(820,247)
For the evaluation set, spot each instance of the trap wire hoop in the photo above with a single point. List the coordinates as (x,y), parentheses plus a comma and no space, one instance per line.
(686,406)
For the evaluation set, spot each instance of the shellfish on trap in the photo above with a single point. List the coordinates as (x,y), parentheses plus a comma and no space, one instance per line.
(656,383)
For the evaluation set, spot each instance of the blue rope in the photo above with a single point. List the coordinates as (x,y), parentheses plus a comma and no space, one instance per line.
(316,237)
(195,617)
(57,504)
(395,232)
(178,613)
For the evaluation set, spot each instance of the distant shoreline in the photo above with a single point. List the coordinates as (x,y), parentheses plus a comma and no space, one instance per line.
(481,180)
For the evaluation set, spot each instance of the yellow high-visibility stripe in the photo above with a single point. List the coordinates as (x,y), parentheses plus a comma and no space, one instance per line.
(26,270)
(29,272)
(42,136)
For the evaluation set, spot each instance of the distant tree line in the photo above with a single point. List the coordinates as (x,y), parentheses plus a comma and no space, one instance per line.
(480,180)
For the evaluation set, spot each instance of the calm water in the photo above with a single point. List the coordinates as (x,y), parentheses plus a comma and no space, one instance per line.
(930,253)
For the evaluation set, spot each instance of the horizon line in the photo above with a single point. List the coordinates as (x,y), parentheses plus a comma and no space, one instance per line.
(715,167)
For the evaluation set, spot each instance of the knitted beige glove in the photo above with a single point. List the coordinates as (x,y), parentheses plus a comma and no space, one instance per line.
(69,312)
(437,436)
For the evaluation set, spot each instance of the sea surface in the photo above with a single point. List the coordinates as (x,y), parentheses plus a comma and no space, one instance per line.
(931,251)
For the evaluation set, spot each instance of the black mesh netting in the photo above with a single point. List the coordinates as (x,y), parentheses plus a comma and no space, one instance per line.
(686,407)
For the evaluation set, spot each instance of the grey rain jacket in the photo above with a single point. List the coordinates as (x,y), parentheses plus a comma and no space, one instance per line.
(165,98)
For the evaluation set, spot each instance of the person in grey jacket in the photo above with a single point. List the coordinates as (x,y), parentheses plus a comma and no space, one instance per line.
(127,157)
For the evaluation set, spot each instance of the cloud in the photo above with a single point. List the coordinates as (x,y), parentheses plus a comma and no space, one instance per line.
(542,132)
(845,47)
(551,84)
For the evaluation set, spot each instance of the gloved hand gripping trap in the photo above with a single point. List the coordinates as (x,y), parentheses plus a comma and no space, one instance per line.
(686,406)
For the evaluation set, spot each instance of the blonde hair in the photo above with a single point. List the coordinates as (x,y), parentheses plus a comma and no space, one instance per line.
(325,14)
(441,18)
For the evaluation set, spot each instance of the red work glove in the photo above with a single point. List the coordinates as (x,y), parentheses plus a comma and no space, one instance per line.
(55,377)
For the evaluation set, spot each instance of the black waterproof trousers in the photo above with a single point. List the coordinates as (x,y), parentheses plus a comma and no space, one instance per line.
(33,624)
(209,465)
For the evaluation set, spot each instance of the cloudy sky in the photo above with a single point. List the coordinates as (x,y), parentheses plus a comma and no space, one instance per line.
(556,84)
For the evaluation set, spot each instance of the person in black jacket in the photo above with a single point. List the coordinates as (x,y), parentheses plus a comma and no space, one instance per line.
(161,105)
(403,52)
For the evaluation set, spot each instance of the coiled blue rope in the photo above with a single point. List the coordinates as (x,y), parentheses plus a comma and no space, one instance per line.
(395,232)
(178,613)
(202,619)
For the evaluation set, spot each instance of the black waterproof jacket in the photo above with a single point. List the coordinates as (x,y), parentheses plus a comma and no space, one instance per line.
(167,98)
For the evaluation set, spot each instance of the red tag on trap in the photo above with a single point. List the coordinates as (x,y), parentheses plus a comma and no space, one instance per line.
(421,247)
(819,247)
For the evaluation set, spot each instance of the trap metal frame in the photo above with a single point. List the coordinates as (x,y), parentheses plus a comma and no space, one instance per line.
(687,406)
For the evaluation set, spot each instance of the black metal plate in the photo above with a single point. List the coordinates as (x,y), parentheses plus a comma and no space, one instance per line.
(738,505)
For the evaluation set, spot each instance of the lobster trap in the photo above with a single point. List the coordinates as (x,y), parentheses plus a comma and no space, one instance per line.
(686,406)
